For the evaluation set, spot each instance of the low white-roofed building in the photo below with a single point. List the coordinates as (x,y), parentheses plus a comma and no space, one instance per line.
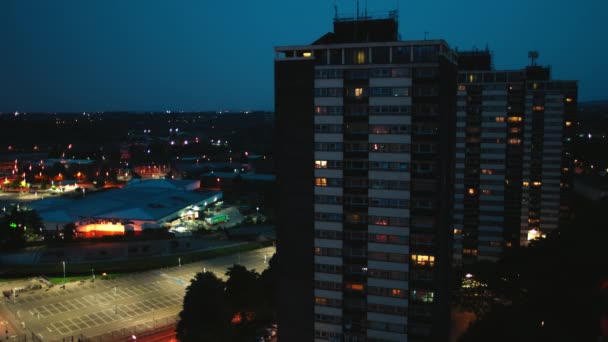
(139,205)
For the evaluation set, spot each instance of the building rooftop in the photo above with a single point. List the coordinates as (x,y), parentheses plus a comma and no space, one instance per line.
(146,201)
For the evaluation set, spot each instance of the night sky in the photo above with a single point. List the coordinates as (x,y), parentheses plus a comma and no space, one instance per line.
(139,55)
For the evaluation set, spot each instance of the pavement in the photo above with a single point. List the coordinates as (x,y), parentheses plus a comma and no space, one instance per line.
(110,310)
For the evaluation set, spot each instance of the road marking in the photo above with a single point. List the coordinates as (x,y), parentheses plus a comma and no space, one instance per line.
(49,329)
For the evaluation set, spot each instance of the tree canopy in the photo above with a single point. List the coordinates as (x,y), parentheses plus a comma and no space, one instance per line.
(17,226)
(552,287)
(205,315)
(234,310)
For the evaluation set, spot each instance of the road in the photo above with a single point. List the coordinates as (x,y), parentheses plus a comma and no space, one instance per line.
(108,310)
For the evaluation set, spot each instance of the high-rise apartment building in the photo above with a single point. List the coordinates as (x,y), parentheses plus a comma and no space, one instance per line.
(513,156)
(365,149)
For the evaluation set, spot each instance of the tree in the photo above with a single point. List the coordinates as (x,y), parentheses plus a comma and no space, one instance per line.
(69,231)
(246,298)
(204,316)
(231,311)
(17,226)
(269,281)
(553,285)
(243,291)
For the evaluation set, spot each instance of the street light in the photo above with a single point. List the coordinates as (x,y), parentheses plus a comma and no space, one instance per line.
(63,262)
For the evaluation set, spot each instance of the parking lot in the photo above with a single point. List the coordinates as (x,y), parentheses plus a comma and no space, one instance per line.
(105,310)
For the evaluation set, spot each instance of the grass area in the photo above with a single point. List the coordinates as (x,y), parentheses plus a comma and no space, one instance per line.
(6,280)
(59,280)
(114,268)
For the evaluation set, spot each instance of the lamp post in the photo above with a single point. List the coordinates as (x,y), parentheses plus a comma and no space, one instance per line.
(63,262)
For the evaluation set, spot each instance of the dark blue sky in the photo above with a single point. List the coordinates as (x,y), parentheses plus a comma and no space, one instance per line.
(93,55)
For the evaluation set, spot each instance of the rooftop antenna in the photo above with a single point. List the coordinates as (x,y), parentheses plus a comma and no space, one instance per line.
(357,9)
(365,9)
(533,55)
(335,10)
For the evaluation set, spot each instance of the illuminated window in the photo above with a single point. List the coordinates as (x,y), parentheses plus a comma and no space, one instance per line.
(320,301)
(320,164)
(381,238)
(361,57)
(358,92)
(356,287)
(462,87)
(533,234)
(535,85)
(537,183)
(471,191)
(486,191)
(485,172)
(307,54)
(424,260)
(514,141)
(514,119)
(469,252)
(500,119)
(515,129)
(538,108)
(317,251)
(472,78)
(321,182)
(457,231)
(422,296)
(569,99)
(397,293)
(526,183)
(568,123)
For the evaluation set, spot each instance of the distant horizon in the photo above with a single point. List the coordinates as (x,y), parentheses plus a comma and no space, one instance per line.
(194,111)
(78,112)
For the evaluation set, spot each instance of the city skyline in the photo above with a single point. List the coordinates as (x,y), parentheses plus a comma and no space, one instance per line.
(192,56)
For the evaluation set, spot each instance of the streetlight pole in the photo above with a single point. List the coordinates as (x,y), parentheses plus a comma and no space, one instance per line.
(63,262)
(93,273)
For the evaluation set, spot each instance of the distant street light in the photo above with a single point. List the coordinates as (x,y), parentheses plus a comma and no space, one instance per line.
(63,262)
